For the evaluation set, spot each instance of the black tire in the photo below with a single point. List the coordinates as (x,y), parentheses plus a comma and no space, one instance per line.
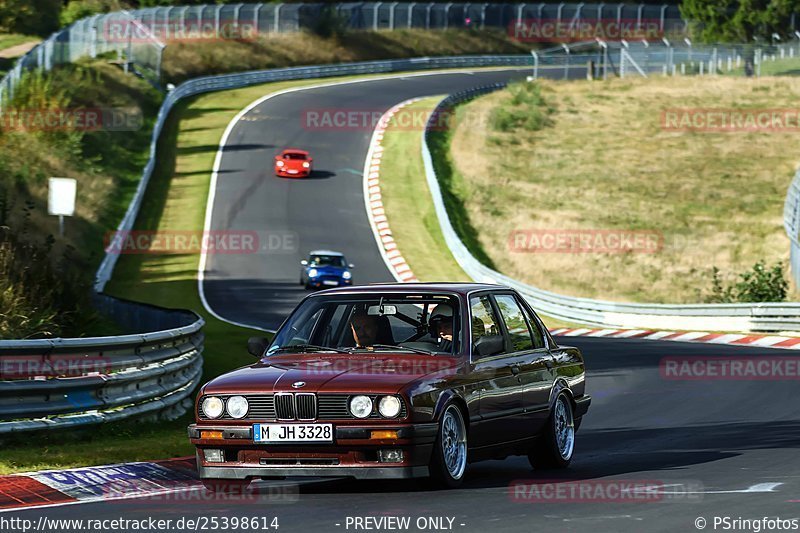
(447,468)
(555,446)
(226,486)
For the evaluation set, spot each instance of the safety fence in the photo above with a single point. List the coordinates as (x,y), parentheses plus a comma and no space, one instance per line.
(605,314)
(61,383)
(137,38)
(600,59)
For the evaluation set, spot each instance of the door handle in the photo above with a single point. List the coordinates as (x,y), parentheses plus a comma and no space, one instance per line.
(514,369)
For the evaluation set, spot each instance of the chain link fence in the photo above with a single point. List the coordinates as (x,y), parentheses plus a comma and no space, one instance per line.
(137,38)
(599,59)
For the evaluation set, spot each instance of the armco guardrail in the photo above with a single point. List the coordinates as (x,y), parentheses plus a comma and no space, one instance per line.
(60,383)
(714,317)
(138,37)
(233,81)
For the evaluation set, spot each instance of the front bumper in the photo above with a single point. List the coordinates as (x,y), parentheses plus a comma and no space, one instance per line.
(582,405)
(297,174)
(353,453)
(320,282)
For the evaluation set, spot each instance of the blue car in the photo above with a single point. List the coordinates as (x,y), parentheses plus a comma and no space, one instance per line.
(325,268)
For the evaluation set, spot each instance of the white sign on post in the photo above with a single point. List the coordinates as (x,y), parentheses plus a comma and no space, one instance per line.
(61,199)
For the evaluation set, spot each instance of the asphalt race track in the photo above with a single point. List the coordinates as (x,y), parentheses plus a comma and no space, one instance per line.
(710,447)
(326,211)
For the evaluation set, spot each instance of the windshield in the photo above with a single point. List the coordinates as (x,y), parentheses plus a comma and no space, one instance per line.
(415,323)
(295,156)
(327,260)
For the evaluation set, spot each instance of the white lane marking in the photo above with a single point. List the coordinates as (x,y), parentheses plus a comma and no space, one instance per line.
(201,267)
(758,487)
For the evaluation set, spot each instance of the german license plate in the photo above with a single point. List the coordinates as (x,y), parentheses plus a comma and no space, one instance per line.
(271,433)
(329,282)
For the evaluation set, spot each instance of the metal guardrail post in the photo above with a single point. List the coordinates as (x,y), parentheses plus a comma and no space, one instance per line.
(535,64)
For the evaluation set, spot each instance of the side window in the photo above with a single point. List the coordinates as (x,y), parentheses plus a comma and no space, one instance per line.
(518,332)
(538,335)
(486,338)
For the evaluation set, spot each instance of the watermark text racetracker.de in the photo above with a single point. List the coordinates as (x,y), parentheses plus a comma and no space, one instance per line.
(605,491)
(741,368)
(586,29)
(45,524)
(124,31)
(731,120)
(584,241)
(233,242)
(84,119)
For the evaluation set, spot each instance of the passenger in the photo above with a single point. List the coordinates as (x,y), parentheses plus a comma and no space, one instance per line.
(441,326)
(365,328)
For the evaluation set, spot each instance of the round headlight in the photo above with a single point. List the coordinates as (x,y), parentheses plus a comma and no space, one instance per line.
(279,163)
(306,164)
(389,406)
(237,406)
(361,406)
(346,274)
(312,273)
(212,407)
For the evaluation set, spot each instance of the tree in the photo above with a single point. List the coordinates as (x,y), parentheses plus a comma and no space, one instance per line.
(739,21)
(30,17)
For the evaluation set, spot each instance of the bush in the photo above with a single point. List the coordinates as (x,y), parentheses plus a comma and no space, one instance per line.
(30,17)
(39,297)
(329,23)
(761,284)
(78,9)
(526,109)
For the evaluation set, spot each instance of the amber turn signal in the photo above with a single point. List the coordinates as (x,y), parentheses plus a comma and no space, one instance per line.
(210,434)
(383,435)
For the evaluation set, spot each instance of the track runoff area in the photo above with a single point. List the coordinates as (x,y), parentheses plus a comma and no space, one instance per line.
(659,451)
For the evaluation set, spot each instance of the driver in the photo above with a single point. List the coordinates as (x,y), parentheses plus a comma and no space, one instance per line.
(441,326)
(365,328)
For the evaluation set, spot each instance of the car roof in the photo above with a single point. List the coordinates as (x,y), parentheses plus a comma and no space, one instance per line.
(462,288)
(325,252)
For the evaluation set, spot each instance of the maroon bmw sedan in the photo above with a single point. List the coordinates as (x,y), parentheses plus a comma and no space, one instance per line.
(394,381)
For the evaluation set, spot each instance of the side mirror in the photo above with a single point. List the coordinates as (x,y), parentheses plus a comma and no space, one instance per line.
(489,345)
(350,265)
(256,346)
(304,262)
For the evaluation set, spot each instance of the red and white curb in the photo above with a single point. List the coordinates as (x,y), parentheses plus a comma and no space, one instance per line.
(372,195)
(53,488)
(735,339)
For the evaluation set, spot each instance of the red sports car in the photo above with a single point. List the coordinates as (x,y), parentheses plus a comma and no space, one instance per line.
(293,163)
(394,381)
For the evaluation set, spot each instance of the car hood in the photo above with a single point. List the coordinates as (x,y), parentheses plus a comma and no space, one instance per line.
(375,373)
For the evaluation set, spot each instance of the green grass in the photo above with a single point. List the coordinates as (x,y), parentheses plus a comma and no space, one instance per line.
(409,206)
(8,40)
(715,198)
(175,200)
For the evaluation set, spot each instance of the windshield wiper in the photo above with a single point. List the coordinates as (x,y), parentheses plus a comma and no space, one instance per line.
(306,348)
(406,348)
